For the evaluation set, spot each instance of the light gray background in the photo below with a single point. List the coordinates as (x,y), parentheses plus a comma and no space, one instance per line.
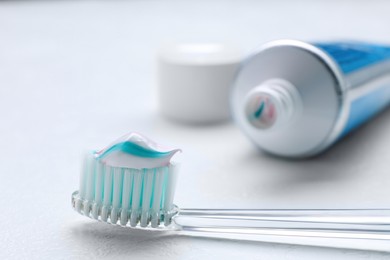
(75,75)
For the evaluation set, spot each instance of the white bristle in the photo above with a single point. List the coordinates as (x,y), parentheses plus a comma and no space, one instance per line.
(117,190)
(107,192)
(83,177)
(129,196)
(157,194)
(99,184)
(128,176)
(135,203)
(170,188)
(90,178)
(146,195)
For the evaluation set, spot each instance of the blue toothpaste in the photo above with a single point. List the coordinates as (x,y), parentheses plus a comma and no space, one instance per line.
(296,99)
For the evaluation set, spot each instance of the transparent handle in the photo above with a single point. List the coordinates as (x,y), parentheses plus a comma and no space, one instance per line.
(357,229)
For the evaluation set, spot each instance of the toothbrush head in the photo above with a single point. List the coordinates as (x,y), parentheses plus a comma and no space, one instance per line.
(130,182)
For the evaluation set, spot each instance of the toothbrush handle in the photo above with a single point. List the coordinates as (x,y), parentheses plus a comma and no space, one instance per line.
(356,229)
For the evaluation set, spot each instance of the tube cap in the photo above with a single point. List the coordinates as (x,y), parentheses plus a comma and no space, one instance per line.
(194,81)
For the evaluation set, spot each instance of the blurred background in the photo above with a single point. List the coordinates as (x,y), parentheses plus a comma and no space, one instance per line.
(75,75)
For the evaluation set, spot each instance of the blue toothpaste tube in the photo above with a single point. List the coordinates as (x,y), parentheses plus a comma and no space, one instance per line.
(295,99)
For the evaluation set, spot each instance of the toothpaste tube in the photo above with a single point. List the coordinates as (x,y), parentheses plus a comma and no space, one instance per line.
(296,99)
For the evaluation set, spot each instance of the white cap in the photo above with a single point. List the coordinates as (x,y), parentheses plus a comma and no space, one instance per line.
(194,81)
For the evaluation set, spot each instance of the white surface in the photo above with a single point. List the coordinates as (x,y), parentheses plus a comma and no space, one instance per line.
(77,75)
(194,81)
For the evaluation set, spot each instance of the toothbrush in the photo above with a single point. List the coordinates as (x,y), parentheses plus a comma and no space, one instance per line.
(132,181)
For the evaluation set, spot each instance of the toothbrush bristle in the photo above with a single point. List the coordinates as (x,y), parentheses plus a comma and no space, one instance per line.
(126,196)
